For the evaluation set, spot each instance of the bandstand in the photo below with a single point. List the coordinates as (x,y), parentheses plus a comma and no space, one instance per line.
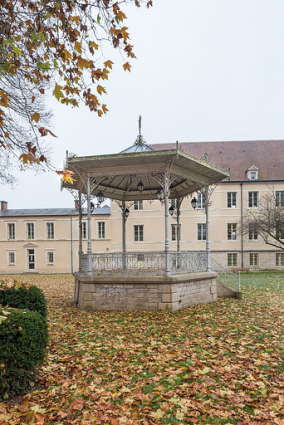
(153,280)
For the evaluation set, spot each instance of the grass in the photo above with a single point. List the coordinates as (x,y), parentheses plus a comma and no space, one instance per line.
(219,363)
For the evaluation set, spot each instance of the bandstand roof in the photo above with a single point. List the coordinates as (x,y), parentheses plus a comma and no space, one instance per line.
(118,175)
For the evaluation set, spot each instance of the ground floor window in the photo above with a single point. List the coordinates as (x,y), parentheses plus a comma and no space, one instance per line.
(254,259)
(84,230)
(11,258)
(279,258)
(201,232)
(101,229)
(138,233)
(31,259)
(176,232)
(232,258)
(50,257)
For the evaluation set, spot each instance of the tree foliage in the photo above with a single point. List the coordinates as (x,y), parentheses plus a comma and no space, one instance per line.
(267,220)
(55,43)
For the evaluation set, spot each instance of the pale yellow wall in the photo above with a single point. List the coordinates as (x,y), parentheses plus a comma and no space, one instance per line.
(152,218)
(60,245)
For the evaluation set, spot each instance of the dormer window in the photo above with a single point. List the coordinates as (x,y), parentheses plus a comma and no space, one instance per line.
(252,173)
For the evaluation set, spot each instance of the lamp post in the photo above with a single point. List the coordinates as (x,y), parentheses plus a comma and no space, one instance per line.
(100,197)
(174,211)
(140,187)
(125,215)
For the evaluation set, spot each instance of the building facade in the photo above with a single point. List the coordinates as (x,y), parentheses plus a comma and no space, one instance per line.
(48,240)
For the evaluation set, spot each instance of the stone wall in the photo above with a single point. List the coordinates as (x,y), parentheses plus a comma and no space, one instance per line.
(150,293)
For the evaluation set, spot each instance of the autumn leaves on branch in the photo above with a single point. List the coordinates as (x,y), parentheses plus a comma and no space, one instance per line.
(55,44)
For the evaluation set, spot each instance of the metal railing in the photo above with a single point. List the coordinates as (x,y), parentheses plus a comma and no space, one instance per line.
(231,279)
(150,262)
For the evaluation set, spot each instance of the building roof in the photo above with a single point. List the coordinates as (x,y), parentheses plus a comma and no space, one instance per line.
(118,176)
(36,212)
(239,156)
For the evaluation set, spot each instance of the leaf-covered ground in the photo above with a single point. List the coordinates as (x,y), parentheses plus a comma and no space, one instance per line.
(219,363)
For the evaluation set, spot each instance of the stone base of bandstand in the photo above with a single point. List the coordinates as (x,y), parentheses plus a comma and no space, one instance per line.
(149,293)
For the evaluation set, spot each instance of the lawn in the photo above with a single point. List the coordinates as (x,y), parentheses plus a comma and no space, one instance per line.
(219,363)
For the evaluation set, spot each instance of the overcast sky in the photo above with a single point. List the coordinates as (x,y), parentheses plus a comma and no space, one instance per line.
(206,70)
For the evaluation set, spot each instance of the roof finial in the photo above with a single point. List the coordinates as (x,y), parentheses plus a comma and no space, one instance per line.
(139,124)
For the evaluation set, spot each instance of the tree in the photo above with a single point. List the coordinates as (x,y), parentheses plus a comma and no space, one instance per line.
(18,129)
(267,220)
(54,43)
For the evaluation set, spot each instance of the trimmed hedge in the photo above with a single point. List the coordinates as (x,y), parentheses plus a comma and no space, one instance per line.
(23,342)
(18,295)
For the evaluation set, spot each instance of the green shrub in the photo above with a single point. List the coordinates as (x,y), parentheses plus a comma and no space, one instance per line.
(23,342)
(20,295)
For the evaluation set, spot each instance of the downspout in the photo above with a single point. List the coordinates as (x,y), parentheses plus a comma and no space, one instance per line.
(123,236)
(71,239)
(242,234)
(207,231)
(167,241)
(89,246)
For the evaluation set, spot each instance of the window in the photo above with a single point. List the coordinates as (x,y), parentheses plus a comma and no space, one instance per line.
(279,258)
(50,230)
(84,230)
(138,205)
(50,257)
(31,259)
(279,231)
(175,232)
(253,259)
(232,259)
(232,231)
(253,199)
(279,198)
(140,257)
(101,229)
(11,231)
(201,232)
(252,173)
(138,233)
(253,233)
(30,231)
(231,199)
(200,198)
(11,258)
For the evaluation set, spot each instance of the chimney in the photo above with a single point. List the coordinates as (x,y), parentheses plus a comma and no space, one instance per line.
(4,205)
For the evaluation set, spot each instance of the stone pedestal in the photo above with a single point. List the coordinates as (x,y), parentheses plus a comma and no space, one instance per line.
(150,293)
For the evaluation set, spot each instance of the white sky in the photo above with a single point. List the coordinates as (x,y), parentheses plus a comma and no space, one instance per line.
(207,70)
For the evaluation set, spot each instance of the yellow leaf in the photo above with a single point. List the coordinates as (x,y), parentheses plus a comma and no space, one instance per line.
(75,19)
(104,108)
(94,45)
(35,117)
(124,33)
(78,47)
(57,91)
(83,63)
(108,64)
(158,414)
(121,15)
(127,66)
(179,415)
(100,89)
